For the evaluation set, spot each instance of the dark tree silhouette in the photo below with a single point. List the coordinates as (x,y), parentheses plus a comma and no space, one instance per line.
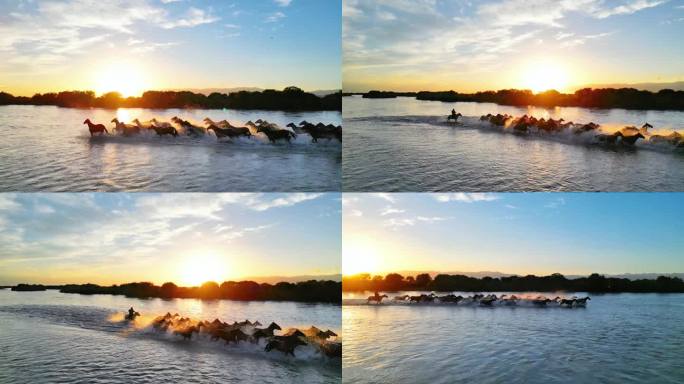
(289,99)
(551,283)
(627,98)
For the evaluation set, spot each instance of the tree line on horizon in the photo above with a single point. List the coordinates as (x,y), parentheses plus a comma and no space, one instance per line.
(289,99)
(556,282)
(311,291)
(627,98)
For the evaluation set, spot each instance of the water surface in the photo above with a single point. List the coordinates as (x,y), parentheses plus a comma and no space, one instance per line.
(46,148)
(405,145)
(617,338)
(50,337)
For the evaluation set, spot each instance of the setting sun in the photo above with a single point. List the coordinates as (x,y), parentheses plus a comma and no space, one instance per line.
(359,257)
(199,269)
(544,76)
(125,78)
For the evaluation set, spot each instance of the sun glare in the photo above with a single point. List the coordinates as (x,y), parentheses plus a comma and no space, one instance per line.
(124,78)
(359,257)
(199,269)
(544,76)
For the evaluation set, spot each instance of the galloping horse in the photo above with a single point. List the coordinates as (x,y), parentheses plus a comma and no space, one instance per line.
(95,128)
(165,131)
(285,344)
(277,134)
(454,117)
(376,297)
(230,132)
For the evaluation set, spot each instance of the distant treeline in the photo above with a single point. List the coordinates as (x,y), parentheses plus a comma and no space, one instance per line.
(31,287)
(324,291)
(551,283)
(627,98)
(289,99)
(386,95)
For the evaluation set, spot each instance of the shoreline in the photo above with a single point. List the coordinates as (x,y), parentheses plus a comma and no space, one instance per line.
(289,99)
(311,291)
(594,283)
(600,98)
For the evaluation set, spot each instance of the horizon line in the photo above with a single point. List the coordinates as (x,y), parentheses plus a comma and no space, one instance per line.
(181,89)
(600,87)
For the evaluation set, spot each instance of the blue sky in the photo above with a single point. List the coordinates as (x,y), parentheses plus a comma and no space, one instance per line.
(54,45)
(540,233)
(115,238)
(479,45)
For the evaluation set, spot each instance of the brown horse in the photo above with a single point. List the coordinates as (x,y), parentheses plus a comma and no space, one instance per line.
(265,332)
(165,131)
(229,132)
(125,129)
(95,128)
(377,298)
(233,335)
(284,344)
(276,134)
(321,131)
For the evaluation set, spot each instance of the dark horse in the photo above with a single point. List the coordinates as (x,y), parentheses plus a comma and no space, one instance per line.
(265,332)
(277,134)
(284,344)
(454,116)
(165,131)
(229,132)
(95,128)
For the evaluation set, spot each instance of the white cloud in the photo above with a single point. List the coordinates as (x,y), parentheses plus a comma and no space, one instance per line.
(262,204)
(558,202)
(391,211)
(193,18)
(355,213)
(466,197)
(432,219)
(386,196)
(274,17)
(283,3)
(54,34)
(8,202)
(626,9)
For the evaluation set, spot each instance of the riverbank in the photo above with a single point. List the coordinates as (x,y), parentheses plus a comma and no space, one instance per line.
(552,283)
(625,98)
(312,291)
(289,99)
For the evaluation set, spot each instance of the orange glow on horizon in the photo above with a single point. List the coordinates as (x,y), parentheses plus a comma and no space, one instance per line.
(543,76)
(198,269)
(126,78)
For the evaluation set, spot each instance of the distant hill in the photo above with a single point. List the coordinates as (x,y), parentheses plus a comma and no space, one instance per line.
(653,87)
(481,274)
(292,279)
(208,91)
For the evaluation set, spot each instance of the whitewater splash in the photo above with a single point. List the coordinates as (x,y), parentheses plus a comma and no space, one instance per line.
(317,349)
(573,134)
(477,300)
(260,132)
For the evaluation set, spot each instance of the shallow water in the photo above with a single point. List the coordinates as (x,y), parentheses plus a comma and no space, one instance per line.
(617,338)
(405,145)
(50,337)
(47,148)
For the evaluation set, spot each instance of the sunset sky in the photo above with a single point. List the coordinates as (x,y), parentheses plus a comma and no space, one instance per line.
(411,45)
(135,45)
(520,233)
(185,238)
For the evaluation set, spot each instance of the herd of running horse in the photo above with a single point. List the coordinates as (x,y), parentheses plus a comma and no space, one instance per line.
(246,331)
(221,129)
(626,136)
(484,300)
